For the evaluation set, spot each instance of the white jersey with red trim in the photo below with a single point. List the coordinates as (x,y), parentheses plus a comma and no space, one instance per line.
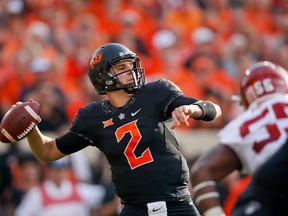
(67,200)
(257,133)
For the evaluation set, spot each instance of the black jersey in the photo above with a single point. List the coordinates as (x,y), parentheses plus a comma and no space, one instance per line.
(267,192)
(141,148)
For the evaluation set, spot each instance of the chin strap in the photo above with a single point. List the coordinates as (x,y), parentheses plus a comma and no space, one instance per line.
(130,90)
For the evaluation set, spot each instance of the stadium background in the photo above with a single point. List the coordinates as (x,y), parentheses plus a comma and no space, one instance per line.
(203,46)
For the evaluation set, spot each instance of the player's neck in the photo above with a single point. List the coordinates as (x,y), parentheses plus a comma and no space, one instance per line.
(118,98)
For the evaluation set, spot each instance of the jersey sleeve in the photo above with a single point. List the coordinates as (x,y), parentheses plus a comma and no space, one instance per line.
(171,97)
(167,92)
(75,139)
(78,123)
(231,137)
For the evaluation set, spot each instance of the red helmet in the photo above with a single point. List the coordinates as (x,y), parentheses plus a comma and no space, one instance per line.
(261,79)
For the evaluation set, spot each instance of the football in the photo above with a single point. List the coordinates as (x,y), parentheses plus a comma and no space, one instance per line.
(19,121)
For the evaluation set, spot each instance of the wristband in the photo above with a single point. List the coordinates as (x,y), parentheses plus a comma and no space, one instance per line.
(208,108)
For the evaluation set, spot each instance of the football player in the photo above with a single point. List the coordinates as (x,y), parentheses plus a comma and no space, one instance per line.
(266,195)
(247,141)
(135,128)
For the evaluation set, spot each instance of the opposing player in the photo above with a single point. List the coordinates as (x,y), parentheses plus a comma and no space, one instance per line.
(134,128)
(250,139)
(266,195)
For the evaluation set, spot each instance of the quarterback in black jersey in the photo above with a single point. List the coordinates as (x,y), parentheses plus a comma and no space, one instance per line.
(135,129)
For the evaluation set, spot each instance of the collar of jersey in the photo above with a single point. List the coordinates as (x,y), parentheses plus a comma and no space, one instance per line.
(108,108)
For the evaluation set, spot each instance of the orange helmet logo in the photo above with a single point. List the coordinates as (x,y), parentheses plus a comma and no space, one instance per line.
(96,58)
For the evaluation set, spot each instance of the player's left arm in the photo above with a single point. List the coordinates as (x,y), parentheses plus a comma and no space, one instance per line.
(200,110)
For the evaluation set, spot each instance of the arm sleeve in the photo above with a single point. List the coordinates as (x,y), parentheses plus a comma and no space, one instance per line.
(181,100)
(208,108)
(71,142)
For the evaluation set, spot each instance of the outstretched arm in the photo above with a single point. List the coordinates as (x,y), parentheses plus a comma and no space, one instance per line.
(201,110)
(210,167)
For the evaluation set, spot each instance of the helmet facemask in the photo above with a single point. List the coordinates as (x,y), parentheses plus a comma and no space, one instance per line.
(136,72)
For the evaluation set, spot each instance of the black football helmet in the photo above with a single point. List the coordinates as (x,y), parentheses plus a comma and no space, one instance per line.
(103,59)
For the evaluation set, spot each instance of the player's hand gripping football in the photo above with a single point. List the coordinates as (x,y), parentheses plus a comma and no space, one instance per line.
(19,121)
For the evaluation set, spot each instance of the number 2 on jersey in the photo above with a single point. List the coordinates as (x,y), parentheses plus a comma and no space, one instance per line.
(133,160)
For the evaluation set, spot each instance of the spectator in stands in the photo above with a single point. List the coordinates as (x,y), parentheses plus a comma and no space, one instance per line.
(30,174)
(48,94)
(9,176)
(59,195)
(214,83)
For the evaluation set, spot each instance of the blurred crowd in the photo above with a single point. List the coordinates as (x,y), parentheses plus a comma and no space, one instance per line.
(65,187)
(204,46)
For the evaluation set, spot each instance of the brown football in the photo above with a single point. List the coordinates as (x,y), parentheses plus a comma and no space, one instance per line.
(19,121)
